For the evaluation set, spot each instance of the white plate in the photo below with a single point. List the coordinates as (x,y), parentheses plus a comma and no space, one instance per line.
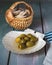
(9,38)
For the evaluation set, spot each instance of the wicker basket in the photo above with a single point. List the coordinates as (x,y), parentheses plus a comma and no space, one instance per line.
(19,23)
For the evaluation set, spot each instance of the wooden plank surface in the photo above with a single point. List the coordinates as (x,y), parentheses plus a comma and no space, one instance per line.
(47,18)
(4,28)
(35,58)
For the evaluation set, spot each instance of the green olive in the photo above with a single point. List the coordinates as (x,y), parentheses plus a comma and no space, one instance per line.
(21,46)
(23,41)
(17,40)
(22,36)
(34,39)
(29,44)
(29,35)
(26,38)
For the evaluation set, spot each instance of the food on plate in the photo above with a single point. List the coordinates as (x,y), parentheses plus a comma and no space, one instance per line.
(33,39)
(29,35)
(21,46)
(22,36)
(26,38)
(20,43)
(25,41)
(30,44)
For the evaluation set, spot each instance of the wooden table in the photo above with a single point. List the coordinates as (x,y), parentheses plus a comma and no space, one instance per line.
(42,22)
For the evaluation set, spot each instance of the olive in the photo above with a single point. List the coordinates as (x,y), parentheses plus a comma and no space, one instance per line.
(22,41)
(17,40)
(21,46)
(29,44)
(26,38)
(29,35)
(34,39)
(22,36)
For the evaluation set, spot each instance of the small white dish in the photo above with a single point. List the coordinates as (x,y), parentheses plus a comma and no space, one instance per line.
(9,42)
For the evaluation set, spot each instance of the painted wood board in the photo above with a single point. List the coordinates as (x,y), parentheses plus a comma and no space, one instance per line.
(4,28)
(47,18)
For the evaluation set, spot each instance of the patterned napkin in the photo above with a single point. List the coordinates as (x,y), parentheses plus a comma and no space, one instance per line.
(48,58)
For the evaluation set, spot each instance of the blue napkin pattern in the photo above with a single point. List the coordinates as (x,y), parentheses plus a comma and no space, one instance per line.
(48,36)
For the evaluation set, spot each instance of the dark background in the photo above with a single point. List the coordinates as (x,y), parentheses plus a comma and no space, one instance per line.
(26,0)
